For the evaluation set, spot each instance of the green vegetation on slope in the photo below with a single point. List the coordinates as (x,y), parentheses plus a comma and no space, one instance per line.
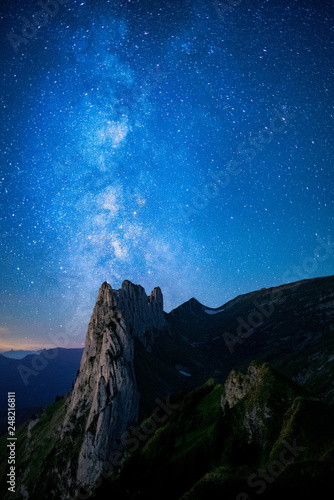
(33,446)
(39,452)
(204,451)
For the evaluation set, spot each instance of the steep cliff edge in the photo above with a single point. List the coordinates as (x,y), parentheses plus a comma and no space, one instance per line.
(104,401)
(105,398)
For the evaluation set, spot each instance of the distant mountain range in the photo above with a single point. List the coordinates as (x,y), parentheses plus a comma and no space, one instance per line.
(36,380)
(18,354)
(192,404)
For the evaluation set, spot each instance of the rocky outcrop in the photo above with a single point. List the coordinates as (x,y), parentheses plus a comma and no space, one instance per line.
(105,399)
(265,396)
(238,385)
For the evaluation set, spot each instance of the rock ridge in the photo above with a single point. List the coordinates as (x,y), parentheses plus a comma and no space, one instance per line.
(105,399)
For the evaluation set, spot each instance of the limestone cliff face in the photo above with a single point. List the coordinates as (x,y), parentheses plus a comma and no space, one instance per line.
(265,396)
(105,398)
(239,384)
(237,387)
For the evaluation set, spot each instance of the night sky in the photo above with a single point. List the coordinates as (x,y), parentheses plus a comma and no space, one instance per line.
(180,144)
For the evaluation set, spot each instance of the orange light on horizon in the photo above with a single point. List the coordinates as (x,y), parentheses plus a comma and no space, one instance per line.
(8,345)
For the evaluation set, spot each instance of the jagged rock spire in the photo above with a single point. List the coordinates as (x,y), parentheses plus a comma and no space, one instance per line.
(105,398)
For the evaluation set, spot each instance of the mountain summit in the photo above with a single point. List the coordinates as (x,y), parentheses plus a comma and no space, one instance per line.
(105,399)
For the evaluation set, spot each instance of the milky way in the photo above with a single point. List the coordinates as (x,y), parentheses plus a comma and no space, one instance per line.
(184,144)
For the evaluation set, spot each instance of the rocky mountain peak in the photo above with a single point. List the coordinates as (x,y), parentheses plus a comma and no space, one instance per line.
(105,398)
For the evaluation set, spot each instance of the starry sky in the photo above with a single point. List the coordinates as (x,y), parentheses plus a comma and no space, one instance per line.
(186,144)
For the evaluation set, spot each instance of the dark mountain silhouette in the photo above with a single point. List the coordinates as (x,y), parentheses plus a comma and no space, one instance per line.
(291,326)
(36,380)
(18,354)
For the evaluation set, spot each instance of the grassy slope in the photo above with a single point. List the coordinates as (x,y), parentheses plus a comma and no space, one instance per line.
(33,452)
